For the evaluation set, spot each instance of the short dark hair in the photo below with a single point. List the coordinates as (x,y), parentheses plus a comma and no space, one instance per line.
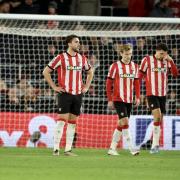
(162,1)
(70,38)
(162,46)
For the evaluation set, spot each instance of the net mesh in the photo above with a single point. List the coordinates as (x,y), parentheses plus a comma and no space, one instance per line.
(28,45)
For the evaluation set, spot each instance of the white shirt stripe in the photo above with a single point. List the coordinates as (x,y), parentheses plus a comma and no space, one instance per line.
(165,79)
(74,76)
(121,85)
(152,75)
(159,80)
(80,81)
(67,72)
(128,91)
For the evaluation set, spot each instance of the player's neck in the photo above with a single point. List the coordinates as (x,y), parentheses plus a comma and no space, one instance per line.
(157,58)
(125,62)
(71,52)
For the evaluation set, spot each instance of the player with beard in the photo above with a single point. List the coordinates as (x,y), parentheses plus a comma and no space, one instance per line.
(155,70)
(69,66)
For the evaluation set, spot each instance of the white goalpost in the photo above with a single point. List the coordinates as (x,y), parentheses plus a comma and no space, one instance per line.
(28,104)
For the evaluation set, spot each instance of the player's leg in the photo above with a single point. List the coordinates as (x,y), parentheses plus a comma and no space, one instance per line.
(70,132)
(123,111)
(125,128)
(154,105)
(162,101)
(63,116)
(127,136)
(156,130)
(71,126)
(58,131)
(115,140)
(117,132)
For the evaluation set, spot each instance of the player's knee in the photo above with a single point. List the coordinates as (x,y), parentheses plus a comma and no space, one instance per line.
(119,128)
(123,121)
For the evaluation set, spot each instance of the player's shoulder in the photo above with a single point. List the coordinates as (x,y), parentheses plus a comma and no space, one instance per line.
(57,57)
(61,55)
(134,63)
(114,64)
(81,56)
(147,57)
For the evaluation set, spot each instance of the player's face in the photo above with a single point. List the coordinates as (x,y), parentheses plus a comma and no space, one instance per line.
(75,45)
(126,56)
(160,54)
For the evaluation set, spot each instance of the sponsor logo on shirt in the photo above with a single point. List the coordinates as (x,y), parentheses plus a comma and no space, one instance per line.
(132,76)
(159,69)
(76,68)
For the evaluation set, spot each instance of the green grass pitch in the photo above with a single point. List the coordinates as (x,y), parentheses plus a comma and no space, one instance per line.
(91,164)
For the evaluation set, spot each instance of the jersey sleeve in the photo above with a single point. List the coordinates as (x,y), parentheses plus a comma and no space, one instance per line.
(173,68)
(144,65)
(55,62)
(87,66)
(112,71)
(136,71)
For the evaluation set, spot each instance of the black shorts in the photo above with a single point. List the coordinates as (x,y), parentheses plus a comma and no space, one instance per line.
(68,103)
(123,109)
(155,102)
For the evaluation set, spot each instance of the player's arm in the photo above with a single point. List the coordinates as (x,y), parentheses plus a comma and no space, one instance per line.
(137,86)
(142,68)
(141,75)
(109,87)
(173,67)
(137,91)
(47,75)
(89,78)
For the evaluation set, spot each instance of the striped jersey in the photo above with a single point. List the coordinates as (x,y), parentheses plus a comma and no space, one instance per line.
(156,78)
(69,69)
(123,76)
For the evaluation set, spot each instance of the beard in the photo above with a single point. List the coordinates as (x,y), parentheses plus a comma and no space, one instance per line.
(160,58)
(76,50)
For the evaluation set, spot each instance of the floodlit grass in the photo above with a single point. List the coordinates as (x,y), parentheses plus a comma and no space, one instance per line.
(91,164)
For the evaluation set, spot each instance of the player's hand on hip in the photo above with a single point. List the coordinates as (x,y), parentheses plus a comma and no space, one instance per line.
(137,102)
(84,89)
(58,89)
(110,105)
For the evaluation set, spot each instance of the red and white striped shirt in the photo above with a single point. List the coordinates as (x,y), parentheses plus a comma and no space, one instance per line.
(156,75)
(123,76)
(69,69)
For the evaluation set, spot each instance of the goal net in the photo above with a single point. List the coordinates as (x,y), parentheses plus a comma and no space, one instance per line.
(28,104)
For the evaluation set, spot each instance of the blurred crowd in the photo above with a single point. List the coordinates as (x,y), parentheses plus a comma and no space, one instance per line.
(23,89)
(132,8)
